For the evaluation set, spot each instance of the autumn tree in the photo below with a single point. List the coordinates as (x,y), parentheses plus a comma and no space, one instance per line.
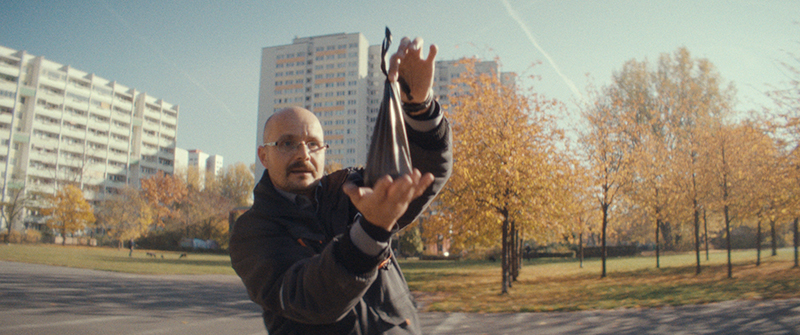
(505,181)
(204,215)
(787,98)
(14,204)
(236,184)
(125,216)
(164,193)
(608,154)
(68,211)
(647,136)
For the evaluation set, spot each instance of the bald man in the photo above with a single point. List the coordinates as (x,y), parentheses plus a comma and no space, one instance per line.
(313,251)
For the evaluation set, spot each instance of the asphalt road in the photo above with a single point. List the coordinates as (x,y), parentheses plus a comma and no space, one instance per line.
(40,299)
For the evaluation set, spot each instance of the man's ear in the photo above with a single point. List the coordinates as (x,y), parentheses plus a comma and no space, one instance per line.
(262,156)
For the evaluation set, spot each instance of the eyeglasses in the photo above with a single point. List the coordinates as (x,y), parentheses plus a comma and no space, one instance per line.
(289,147)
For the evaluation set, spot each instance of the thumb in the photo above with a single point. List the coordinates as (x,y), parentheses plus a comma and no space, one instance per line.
(354,192)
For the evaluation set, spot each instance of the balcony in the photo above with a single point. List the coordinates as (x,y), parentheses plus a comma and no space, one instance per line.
(49,158)
(92,137)
(51,97)
(72,132)
(117,157)
(168,131)
(123,104)
(9,70)
(5,118)
(121,130)
(151,113)
(48,127)
(50,81)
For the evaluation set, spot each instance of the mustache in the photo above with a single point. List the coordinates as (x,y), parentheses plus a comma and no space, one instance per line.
(300,165)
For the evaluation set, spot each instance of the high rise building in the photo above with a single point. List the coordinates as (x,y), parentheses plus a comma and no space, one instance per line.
(326,75)
(60,125)
(214,164)
(338,77)
(205,165)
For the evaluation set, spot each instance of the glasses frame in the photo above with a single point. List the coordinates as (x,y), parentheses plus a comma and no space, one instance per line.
(296,147)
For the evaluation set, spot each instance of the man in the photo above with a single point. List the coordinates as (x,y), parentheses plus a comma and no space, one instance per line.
(313,251)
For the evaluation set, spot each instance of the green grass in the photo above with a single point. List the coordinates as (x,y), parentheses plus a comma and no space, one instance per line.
(631,283)
(474,286)
(117,260)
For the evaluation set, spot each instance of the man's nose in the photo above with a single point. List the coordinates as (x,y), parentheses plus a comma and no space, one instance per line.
(303,151)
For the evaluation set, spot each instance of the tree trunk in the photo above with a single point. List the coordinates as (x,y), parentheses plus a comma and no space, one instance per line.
(603,237)
(580,247)
(513,252)
(758,242)
(705,231)
(658,256)
(796,242)
(504,258)
(774,238)
(728,240)
(697,236)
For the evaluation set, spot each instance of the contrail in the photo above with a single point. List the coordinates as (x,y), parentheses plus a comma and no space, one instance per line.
(527,31)
(167,61)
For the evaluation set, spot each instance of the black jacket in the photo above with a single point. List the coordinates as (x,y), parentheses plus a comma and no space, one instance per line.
(305,272)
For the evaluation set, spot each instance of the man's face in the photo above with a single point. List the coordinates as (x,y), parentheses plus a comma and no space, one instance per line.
(298,169)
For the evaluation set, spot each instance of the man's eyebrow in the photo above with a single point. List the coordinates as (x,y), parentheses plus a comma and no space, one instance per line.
(285,137)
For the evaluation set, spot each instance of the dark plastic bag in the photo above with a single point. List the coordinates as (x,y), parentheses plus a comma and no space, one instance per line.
(388,151)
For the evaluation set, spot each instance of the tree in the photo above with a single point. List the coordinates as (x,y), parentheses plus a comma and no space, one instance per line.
(125,216)
(505,182)
(68,211)
(204,215)
(647,135)
(787,98)
(164,193)
(608,154)
(14,204)
(236,183)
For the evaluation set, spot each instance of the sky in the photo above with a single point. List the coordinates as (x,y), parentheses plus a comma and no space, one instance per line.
(205,55)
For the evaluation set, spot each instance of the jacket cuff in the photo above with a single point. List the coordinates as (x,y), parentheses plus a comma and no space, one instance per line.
(436,138)
(353,258)
(427,121)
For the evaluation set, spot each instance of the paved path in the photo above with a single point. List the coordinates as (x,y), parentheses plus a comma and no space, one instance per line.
(39,299)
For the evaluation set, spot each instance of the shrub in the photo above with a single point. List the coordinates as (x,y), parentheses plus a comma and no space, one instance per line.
(31,236)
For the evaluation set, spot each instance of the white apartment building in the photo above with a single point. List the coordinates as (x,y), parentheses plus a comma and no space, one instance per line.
(339,78)
(199,160)
(62,125)
(214,164)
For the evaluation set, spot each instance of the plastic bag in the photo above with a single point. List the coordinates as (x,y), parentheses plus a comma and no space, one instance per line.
(388,151)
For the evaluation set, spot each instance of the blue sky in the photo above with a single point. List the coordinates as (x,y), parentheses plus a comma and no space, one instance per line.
(205,55)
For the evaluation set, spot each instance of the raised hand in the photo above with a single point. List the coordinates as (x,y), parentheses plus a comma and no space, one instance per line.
(417,72)
(386,202)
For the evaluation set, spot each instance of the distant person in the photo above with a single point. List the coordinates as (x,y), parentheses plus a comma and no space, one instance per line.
(131,246)
(313,251)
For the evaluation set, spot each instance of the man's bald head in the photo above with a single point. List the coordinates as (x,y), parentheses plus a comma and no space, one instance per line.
(291,165)
(290,115)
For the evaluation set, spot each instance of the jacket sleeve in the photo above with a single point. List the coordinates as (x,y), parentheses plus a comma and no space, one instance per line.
(431,151)
(293,281)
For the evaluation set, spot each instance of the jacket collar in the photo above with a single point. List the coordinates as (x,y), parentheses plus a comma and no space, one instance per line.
(269,202)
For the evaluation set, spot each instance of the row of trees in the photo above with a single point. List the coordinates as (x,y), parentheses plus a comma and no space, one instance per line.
(186,204)
(662,158)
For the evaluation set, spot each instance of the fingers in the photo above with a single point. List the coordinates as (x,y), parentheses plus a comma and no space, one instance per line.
(403,189)
(432,52)
(411,48)
(396,58)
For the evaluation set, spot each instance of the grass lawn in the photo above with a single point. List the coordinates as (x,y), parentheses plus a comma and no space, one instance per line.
(474,286)
(117,260)
(548,285)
